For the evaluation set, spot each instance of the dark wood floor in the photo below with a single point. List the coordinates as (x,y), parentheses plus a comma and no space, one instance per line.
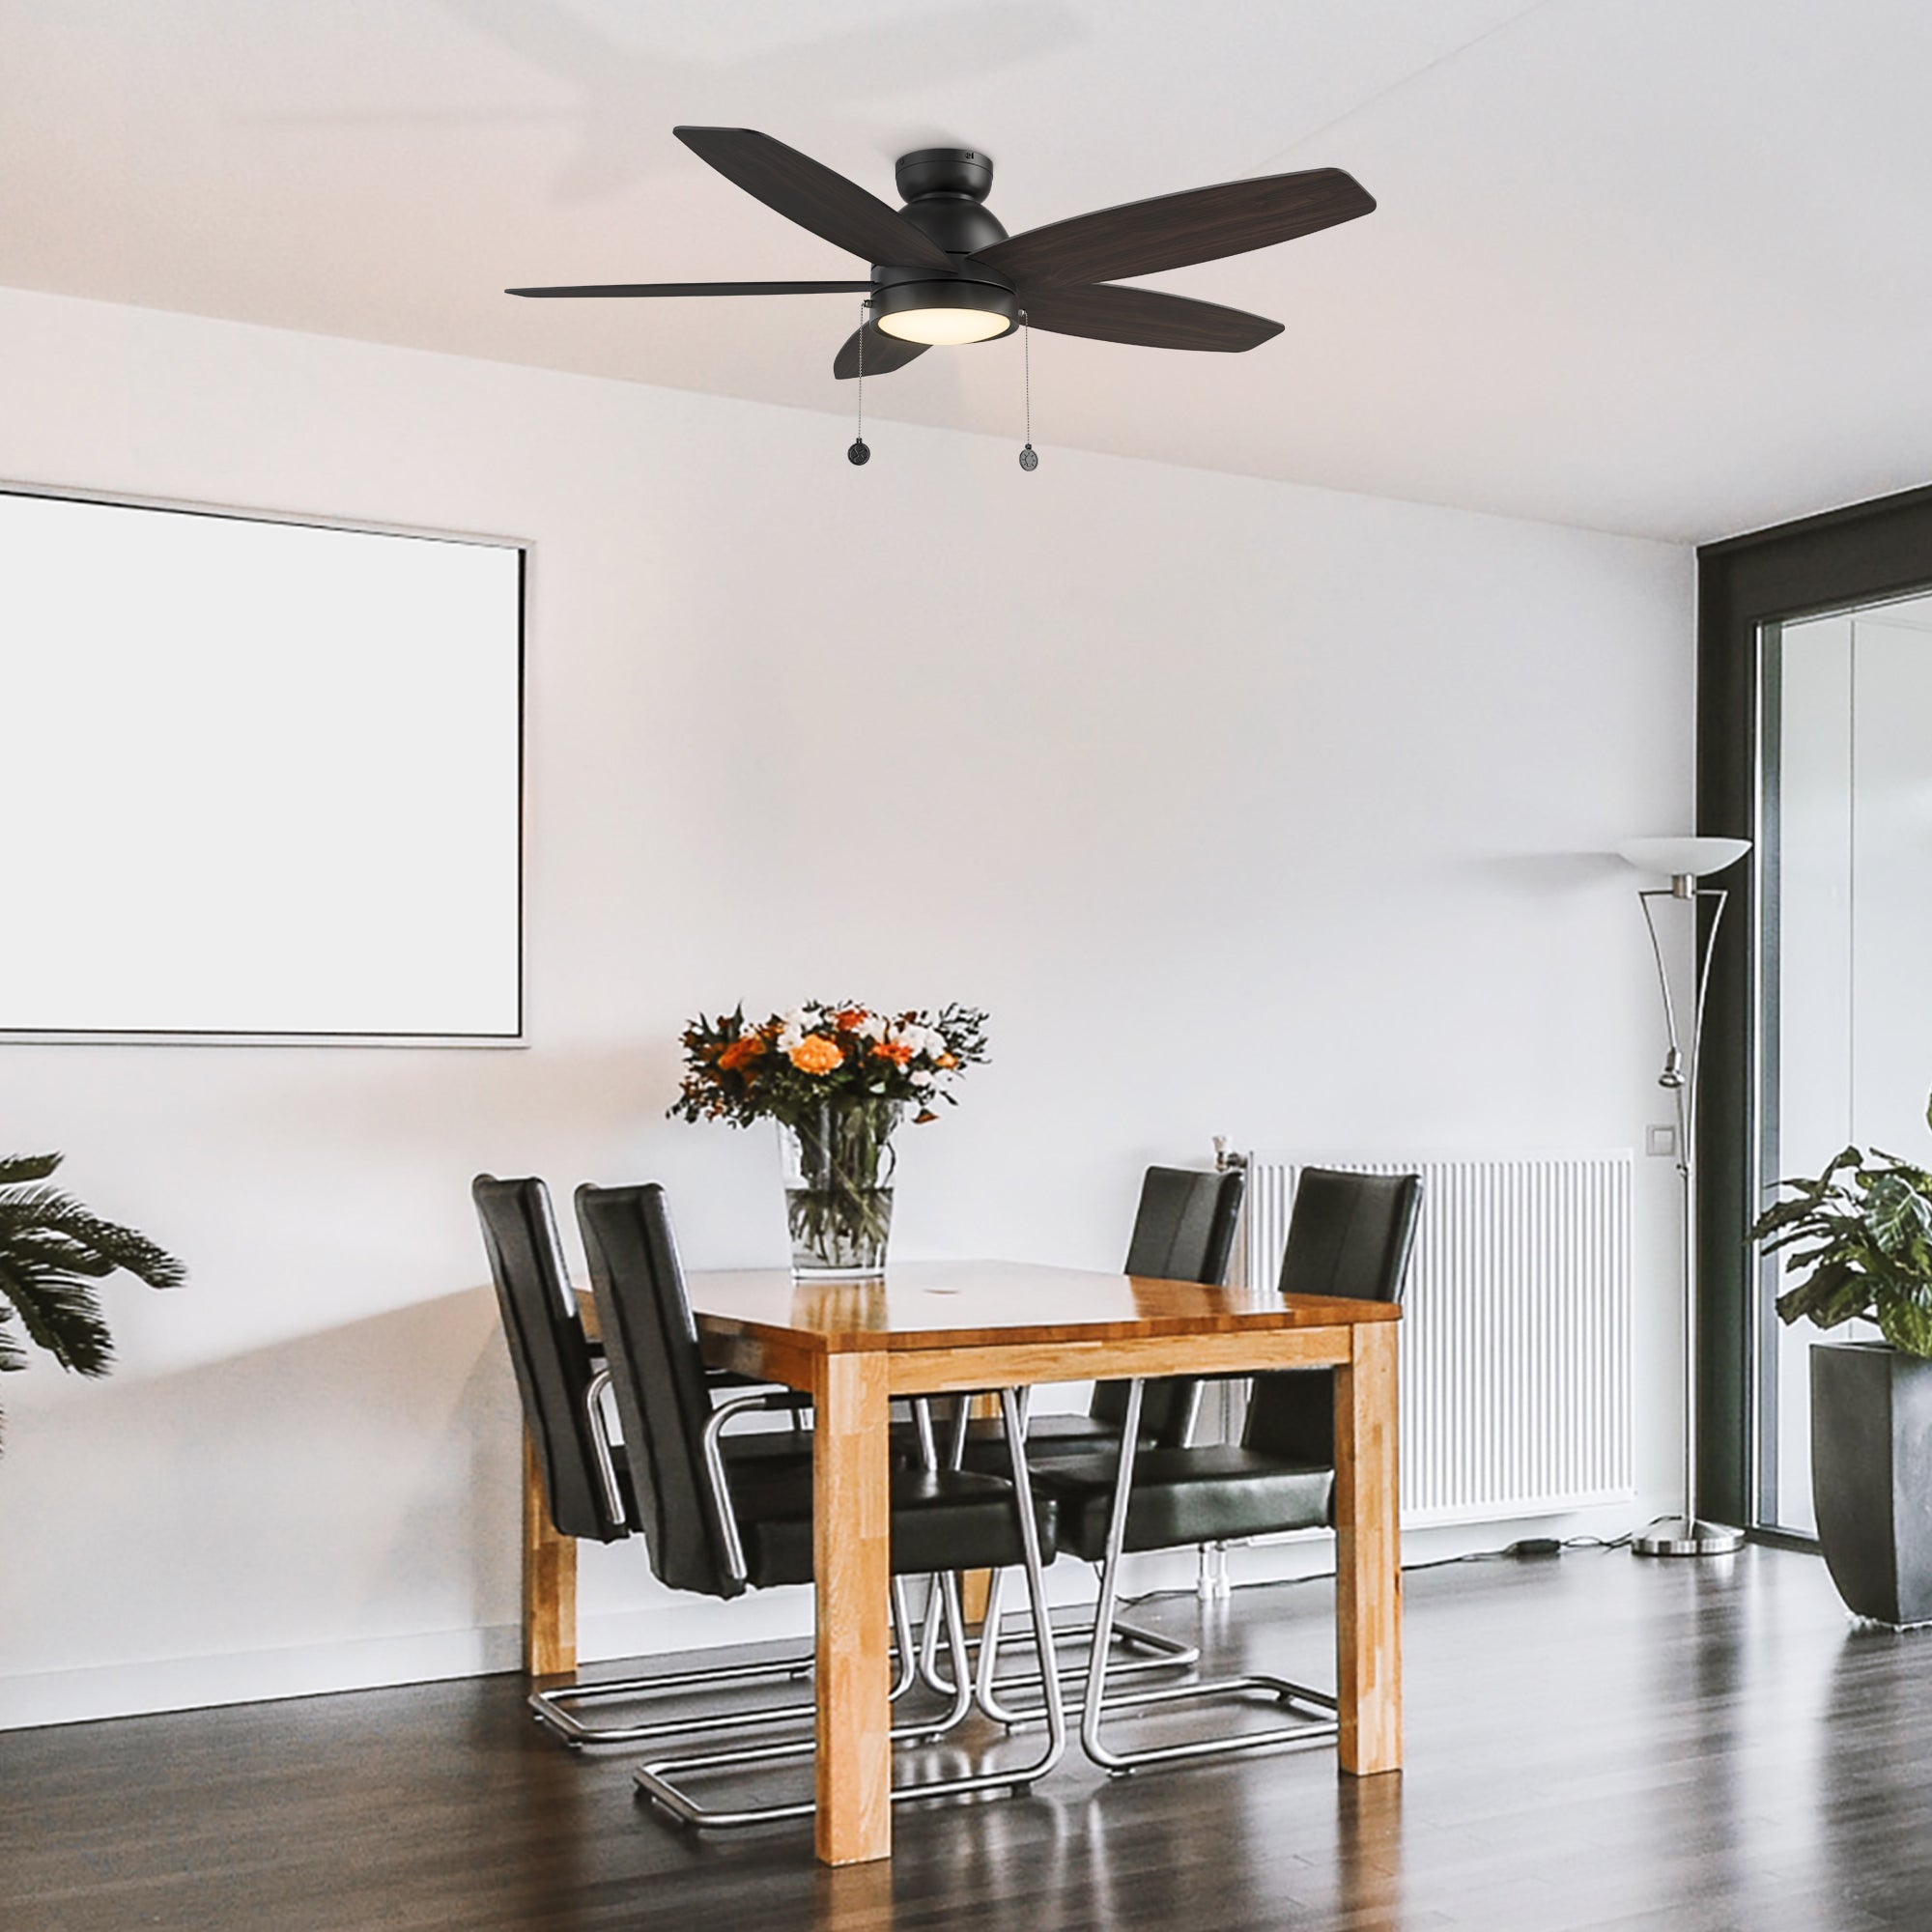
(1598,1741)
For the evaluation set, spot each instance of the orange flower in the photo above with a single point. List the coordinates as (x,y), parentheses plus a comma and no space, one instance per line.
(850,1019)
(816,1053)
(746,1048)
(897,1051)
(946,1060)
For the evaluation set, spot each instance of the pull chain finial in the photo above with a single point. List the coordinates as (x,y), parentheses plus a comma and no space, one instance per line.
(859,453)
(1029,456)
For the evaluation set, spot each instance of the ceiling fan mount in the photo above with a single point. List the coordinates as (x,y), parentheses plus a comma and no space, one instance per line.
(944,189)
(944,272)
(961,174)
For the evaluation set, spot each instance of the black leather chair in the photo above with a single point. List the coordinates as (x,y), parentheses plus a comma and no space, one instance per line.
(1349,1234)
(1183,1230)
(719,1530)
(561,1381)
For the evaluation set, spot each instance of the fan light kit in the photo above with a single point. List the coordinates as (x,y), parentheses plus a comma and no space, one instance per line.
(944,272)
(944,314)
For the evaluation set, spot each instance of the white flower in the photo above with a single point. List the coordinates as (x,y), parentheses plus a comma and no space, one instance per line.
(871,1027)
(797,1023)
(920,1077)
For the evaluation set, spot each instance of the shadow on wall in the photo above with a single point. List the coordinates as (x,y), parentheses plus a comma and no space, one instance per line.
(356,1484)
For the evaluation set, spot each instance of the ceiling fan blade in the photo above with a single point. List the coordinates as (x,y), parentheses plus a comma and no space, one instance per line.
(1173,231)
(808,192)
(701,289)
(1144,316)
(883,353)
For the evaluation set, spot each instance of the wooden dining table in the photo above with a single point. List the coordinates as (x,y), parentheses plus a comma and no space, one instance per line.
(937,1327)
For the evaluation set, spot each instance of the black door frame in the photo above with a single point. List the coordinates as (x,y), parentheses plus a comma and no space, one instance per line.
(1855,556)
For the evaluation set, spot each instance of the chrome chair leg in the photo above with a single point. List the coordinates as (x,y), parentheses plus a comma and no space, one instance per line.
(990,1690)
(903,1647)
(659,1783)
(1320,1724)
(1159,1652)
(555,1709)
(962,1408)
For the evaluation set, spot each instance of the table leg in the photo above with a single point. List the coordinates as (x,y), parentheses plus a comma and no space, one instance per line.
(549,1581)
(975,1587)
(851,1555)
(1368,1555)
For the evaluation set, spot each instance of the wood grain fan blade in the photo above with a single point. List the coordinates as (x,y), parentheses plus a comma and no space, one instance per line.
(808,192)
(1146,316)
(883,353)
(1174,230)
(701,289)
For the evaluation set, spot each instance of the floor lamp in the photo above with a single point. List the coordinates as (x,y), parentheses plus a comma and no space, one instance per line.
(1683,862)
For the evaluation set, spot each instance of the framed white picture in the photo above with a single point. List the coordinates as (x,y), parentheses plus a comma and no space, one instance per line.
(261,779)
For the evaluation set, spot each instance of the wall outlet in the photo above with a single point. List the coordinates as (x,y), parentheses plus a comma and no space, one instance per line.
(1661,1141)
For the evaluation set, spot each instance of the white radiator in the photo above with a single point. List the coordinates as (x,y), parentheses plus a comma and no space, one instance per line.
(1515,1333)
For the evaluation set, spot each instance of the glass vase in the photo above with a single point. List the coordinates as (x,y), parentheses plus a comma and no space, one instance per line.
(839,1164)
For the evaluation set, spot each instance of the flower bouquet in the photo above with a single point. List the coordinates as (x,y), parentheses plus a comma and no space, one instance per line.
(835,1077)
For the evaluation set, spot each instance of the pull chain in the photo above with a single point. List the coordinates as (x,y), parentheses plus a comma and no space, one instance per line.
(1029,456)
(859,453)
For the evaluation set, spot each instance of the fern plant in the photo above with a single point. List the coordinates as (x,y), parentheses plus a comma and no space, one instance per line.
(52,1251)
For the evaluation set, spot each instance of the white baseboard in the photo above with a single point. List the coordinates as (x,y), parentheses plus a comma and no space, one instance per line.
(657,1629)
(249,1677)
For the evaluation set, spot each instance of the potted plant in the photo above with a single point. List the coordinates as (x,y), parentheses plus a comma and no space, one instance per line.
(52,1251)
(1861,1234)
(835,1076)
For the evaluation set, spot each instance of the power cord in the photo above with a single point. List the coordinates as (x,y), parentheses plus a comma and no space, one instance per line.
(1526,1549)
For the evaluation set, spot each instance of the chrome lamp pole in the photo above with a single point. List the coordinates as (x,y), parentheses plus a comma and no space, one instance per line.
(1683,862)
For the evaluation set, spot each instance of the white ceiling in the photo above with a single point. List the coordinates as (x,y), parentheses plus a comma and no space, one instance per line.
(1638,264)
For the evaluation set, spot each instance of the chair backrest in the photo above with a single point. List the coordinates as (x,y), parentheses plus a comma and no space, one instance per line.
(657,1376)
(548,1349)
(1185,1226)
(1183,1230)
(1349,1234)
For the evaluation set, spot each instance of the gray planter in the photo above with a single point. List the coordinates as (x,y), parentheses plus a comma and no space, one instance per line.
(1871,1476)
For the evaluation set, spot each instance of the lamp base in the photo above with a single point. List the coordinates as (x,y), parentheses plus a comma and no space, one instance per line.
(1674,1536)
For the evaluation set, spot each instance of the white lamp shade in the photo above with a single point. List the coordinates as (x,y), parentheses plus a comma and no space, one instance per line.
(1683,857)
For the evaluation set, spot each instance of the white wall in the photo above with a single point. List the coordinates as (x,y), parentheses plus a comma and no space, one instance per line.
(1244,808)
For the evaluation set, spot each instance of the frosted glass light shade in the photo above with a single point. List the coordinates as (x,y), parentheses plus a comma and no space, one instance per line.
(944,327)
(1683,857)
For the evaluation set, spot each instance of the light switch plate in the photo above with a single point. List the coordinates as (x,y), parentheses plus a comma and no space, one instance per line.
(1661,1141)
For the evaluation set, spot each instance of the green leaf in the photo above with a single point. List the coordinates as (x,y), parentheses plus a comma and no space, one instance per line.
(1896,1212)
(16,1168)
(1810,1196)
(52,1250)
(1831,1295)
(44,1209)
(1906,1323)
(60,1315)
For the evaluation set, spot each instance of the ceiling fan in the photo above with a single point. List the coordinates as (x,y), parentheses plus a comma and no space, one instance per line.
(944,270)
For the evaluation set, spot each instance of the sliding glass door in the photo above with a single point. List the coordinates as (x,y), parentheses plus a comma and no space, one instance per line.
(1844,902)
